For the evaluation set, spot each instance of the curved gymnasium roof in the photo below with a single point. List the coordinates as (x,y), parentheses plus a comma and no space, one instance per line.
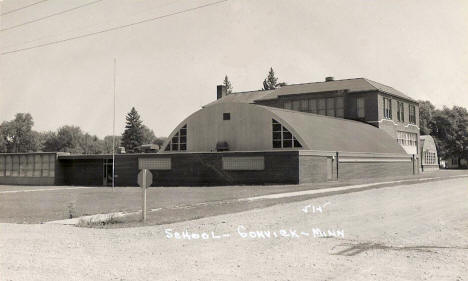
(317,132)
(314,132)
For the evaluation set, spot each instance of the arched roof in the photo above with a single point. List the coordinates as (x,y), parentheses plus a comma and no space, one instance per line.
(427,142)
(314,132)
(317,132)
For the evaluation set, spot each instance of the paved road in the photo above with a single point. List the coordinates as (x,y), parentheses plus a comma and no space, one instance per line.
(413,232)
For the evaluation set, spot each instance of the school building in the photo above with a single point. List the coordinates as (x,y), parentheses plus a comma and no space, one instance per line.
(312,132)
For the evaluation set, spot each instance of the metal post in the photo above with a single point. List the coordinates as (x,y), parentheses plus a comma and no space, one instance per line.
(143,210)
(337,164)
(113,132)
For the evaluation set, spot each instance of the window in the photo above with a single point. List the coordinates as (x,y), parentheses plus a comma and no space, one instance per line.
(412,114)
(360,107)
(52,165)
(401,111)
(339,107)
(179,140)
(312,106)
(430,158)
(321,107)
(37,166)
(387,103)
(330,107)
(154,163)
(296,105)
(8,166)
(244,163)
(2,166)
(226,116)
(30,166)
(287,105)
(304,105)
(408,139)
(16,163)
(45,165)
(282,138)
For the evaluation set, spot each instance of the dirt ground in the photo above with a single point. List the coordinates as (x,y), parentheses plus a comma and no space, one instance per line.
(407,232)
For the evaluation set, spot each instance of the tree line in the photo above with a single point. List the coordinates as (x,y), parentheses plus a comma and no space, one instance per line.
(18,136)
(448,127)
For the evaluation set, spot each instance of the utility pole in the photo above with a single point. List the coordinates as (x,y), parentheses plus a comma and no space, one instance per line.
(113,132)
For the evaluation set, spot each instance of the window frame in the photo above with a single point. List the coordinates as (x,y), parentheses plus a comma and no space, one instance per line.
(361,108)
(387,108)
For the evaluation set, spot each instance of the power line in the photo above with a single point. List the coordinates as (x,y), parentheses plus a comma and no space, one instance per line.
(113,28)
(52,15)
(24,7)
(75,29)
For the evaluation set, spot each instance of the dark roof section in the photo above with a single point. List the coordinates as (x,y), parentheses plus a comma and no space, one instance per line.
(325,133)
(242,97)
(350,85)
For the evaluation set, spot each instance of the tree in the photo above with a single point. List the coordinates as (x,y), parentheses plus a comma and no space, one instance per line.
(271,82)
(3,143)
(108,144)
(50,141)
(426,112)
(91,144)
(148,135)
(450,131)
(132,137)
(227,84)
(160,141)
(69,139)
(17,134)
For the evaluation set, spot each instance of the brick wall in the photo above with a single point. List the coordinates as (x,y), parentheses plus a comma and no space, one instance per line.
(374,170)
(80,172)
(314,169)
(27,180)
(200,169)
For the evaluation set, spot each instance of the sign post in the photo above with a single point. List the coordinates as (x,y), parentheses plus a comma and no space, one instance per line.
(145,179)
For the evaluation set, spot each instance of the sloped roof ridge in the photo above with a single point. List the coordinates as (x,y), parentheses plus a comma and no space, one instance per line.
(245,92)
(401,94)
(321,82)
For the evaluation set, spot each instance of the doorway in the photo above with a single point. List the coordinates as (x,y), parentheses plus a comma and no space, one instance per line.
(107,172)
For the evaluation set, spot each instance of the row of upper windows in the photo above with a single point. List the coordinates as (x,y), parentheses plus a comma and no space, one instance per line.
(323,106)
(387,111)
(326,106)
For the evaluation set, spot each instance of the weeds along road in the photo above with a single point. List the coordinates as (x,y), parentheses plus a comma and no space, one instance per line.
(412,232)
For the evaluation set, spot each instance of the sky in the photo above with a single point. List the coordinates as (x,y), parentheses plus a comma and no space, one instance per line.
(168,68)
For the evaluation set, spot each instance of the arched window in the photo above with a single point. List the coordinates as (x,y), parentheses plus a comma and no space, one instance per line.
(178,141)
(282,138)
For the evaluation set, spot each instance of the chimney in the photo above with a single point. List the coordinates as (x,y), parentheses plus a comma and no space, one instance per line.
(220,91)
(329,78)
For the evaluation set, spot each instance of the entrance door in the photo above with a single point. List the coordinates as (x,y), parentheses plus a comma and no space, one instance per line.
(107,172)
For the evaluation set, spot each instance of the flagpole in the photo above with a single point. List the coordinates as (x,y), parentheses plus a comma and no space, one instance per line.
(113,131)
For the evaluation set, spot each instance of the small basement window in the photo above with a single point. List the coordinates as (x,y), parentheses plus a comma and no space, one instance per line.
(226,116)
